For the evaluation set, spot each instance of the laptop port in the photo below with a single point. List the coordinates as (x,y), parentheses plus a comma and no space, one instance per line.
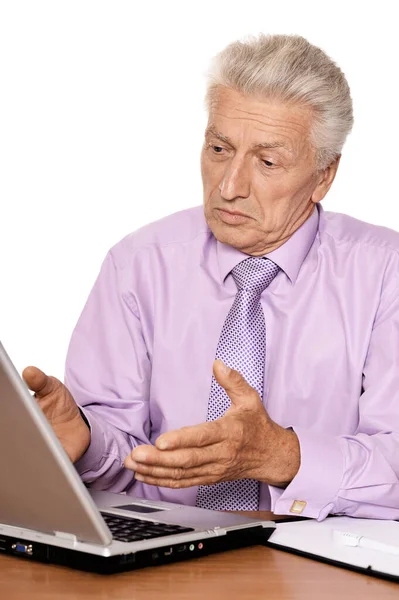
(181,548)
(168,552)
(22,548)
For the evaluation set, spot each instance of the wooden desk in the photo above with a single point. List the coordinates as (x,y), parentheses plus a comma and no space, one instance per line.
(247,574)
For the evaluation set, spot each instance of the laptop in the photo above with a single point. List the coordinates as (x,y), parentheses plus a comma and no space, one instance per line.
(47,514)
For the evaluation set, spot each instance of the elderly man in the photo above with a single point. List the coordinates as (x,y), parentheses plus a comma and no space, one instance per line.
(295,310)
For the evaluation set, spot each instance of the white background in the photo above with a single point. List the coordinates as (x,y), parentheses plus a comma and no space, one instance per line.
(101,124)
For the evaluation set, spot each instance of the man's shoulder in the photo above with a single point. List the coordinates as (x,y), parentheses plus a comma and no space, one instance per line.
(349,231)
(181,227)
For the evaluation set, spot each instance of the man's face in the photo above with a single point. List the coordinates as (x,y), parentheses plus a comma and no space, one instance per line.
(258,160)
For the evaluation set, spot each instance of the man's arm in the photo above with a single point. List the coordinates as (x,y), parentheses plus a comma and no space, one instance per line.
(356,475)
(108,374)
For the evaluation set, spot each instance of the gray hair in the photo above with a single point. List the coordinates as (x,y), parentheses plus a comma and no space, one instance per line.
(290,68)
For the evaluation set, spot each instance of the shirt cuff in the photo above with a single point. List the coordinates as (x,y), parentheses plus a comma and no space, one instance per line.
(313,491)
(92,457)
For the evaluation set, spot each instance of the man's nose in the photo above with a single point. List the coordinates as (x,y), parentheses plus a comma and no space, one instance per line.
(236,180)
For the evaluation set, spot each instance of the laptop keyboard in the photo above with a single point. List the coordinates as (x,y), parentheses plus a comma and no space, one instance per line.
(127,529)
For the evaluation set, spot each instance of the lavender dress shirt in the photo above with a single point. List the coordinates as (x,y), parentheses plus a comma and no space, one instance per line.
(140,358)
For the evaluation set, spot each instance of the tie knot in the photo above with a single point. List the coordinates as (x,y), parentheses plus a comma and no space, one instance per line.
(254,274)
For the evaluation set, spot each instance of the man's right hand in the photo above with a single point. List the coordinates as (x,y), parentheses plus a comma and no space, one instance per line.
(61,411)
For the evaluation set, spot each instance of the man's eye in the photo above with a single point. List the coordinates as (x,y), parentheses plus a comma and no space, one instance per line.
(268,163)
(217,149)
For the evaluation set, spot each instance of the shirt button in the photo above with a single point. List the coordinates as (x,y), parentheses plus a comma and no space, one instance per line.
(298,506)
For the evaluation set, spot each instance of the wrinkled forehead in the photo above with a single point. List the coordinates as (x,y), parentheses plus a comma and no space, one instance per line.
(267,121)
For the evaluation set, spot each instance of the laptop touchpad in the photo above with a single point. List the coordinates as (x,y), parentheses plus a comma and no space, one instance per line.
(140,508)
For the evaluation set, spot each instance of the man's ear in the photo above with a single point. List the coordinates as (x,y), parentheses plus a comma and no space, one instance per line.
(325,180)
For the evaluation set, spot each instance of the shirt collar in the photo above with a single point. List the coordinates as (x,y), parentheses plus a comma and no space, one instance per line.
(289,257)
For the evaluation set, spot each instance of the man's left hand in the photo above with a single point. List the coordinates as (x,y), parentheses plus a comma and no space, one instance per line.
(244,443)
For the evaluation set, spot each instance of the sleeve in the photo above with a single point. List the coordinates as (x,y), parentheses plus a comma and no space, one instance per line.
(356,475)
(108,373)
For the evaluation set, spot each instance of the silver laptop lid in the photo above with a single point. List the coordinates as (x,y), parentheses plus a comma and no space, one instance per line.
(40,488)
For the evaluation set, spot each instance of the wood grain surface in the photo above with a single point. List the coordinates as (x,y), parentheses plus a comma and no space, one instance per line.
(246,574)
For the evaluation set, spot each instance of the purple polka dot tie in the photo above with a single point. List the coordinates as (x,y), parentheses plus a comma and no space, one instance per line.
(242,346)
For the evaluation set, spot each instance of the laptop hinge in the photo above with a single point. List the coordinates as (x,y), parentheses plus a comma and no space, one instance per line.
(66,536)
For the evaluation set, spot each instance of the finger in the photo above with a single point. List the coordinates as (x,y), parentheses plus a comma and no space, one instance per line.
(239,391)
(195,436)
(177,473)
(186,458)
(38,382)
